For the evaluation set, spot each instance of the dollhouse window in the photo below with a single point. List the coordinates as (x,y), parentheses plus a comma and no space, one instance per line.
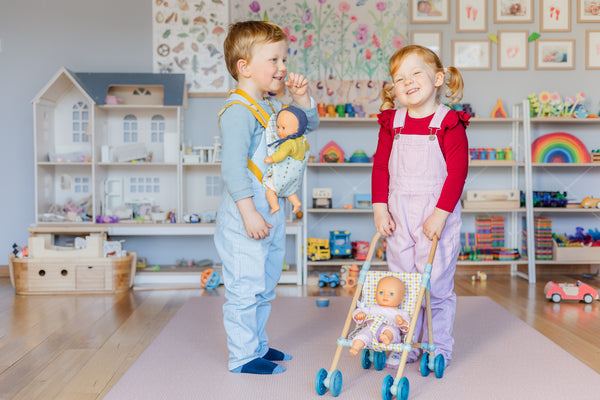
(81,119)
(81,184)
(144,185)
(157,127)
(213,186)
(130,129)
(141,92)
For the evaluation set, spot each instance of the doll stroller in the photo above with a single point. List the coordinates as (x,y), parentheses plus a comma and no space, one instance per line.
(417,288)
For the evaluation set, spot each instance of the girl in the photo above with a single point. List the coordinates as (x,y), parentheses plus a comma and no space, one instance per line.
(419,170)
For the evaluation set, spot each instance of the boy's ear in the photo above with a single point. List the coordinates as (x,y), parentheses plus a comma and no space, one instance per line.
(242,66)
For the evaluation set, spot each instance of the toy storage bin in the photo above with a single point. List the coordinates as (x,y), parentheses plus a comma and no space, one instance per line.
(575,253)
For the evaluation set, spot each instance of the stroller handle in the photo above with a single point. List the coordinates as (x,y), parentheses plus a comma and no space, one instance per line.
(433,249)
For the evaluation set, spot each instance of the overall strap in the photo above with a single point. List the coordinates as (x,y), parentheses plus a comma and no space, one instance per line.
(400,117)
(438,117)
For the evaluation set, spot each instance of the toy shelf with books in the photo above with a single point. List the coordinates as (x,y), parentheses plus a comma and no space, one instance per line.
(564,171)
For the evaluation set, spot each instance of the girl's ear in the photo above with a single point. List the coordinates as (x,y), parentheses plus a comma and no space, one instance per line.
(439,79)
(242,66)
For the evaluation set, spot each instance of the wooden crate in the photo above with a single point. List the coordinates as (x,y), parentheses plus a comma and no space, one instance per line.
(567,254)
(72,275)
(491,199)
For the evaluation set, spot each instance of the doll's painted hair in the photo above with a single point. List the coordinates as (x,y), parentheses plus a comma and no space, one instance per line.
(243,36)
(452,77)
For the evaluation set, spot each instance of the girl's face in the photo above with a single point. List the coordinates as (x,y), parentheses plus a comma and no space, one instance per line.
(267,69)
(416,84)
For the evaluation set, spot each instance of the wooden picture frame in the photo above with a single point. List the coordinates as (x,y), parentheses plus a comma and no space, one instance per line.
(555,54)
(512,50)
(592,49)
(429,11)
(555,16)
(588,11)
(430,39)
(513,11)
(471,54)
(471,16)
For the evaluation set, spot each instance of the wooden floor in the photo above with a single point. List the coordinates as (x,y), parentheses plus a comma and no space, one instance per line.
(77,347)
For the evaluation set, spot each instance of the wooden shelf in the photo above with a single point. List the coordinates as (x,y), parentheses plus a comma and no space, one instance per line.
(495,163)
(568,165)
(567,120)
(340,211)
(340,165)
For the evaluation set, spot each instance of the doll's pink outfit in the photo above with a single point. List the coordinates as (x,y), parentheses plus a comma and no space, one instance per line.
(388,314)
(417,173)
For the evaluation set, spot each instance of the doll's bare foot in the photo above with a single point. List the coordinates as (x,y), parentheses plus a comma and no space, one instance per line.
(295,203)
(357,345)
(386,337)
(274,210)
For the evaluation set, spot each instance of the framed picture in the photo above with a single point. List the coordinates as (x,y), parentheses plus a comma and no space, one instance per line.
(430,39)
(471,16)
(429,11)
(555,54)
(588,11)
(592,49)
(512,50)
(513,11)
(555,16)
(471,54)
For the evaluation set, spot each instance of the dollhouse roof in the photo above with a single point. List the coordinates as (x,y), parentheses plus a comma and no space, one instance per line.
(96,85)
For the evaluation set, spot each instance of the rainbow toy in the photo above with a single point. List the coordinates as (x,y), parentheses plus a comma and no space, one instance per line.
(559,147)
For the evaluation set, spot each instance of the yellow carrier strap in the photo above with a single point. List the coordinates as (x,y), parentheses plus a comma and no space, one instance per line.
(261,116)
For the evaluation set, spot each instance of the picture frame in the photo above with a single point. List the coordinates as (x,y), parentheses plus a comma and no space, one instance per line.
(471,16)
(430,39)
(513,11)
(555,16)
(555,54)
(471,54)
(429,11)
(592,49)
(588,11)
(512,50)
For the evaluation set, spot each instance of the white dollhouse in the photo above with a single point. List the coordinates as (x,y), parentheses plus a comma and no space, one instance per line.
(108,143)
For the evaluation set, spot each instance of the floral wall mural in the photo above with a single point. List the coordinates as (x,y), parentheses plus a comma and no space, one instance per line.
(342,47)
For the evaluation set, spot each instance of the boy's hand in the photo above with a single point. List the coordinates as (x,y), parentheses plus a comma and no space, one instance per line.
(256,226)
(383,220)
(435,223)
(297,84)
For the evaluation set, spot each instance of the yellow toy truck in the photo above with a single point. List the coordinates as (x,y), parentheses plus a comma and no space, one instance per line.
(317,249)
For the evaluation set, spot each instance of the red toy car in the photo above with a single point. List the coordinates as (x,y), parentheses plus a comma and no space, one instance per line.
(569,291)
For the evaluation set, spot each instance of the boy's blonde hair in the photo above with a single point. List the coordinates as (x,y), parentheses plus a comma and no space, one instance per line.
(454,80)
(243,36)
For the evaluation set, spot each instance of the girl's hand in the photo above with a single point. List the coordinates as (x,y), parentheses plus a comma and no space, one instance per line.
(383,220)
(435,223)
(256,226)
(297,84)
(268,160)
(360,316)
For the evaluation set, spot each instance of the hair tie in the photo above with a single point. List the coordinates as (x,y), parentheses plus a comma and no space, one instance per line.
(445,70)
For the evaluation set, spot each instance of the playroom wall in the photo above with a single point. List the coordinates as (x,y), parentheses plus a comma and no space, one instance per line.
(37,37)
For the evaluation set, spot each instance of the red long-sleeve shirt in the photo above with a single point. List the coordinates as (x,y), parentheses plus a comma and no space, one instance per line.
(453,143)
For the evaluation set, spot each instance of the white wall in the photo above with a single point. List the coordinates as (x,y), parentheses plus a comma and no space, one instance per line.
(39,36)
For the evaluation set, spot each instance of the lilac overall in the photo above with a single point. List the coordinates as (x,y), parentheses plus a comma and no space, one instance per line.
(417,174)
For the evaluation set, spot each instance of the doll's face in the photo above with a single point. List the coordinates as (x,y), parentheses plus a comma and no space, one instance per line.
(287,124)
(390,292)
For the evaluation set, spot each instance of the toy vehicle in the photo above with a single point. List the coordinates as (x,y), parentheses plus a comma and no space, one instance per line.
(570,291)
(360,249)
(332,280)
(339,242)
(589,202)
(317,249)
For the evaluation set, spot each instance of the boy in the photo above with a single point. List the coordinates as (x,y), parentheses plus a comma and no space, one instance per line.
(249,239)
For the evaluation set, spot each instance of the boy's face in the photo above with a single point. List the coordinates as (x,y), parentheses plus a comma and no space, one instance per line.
(267,69)
(287,124)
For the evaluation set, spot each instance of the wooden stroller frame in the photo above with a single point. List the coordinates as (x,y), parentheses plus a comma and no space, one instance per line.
(398,386)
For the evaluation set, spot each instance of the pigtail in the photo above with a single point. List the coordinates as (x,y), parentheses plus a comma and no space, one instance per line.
(455,85)
(387,97)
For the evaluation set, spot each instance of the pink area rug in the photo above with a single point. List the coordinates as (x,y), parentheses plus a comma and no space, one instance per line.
(496,356)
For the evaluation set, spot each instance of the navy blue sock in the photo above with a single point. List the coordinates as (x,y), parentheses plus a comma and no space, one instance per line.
(276,355)
(259,366)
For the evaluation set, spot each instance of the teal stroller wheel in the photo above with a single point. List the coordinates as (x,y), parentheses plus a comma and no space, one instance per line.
(320,382)
(335,383)
(365,360)
(386,387)
(425,364)
(440,365)
(379,360)
(403,389)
